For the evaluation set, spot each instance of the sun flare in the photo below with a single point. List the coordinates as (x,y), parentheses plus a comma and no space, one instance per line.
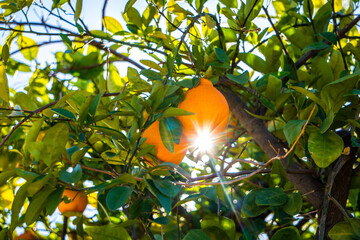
(204,141)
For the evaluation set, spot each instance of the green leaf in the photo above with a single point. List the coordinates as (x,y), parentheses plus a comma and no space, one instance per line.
(32,135)
(273,88)
(252,9)
(24,101)
(78,9)
(167,188)
(36,205)
(196,234)
(327,122)
(161,220)
(240,79)
(329,36)
(174,112)
(164,200)
(310,95)
(4,176)
(100,34)
(292,130)
(53,200)
(18,203)
(270,197)
(175,128)
(294,204)
(107,232)
(289,233)
(111,24)
(249,207)
(28,47)
(254,61)
(52,145)
(4,90)
(117,197)
(73,176)
(325,148)
(166,136)
(5,53)
(211,224)
(315,46)
(221,55)
(66,40)
(4,233)
(64,112)
(94,104)
(230,3)
(342,231)
(150,74)
(278,168)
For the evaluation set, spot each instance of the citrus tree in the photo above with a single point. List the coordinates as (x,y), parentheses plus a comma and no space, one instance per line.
(192,119)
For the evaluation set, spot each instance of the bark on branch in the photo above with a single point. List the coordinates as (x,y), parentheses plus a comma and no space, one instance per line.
(256,128)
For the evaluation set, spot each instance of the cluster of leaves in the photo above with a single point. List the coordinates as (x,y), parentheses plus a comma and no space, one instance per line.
(79,124)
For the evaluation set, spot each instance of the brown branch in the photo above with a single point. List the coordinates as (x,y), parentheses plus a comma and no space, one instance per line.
(324,211)
(103,14)
(303,59)
(276,31)
(258,131)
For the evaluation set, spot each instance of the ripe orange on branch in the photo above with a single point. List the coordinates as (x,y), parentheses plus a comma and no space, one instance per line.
(152,135)
(76,206)
(211,111)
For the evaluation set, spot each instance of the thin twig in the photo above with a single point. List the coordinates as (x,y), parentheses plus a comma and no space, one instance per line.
(25,119)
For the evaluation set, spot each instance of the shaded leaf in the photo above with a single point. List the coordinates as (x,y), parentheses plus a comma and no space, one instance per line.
(73,176)
(325,148)
(289,233)
(107,232)
(294,204)
(270,197)
(117,197)
(292,130)
(249,207)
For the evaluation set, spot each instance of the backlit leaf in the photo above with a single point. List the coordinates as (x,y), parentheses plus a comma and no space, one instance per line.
(111,24)
(28,47)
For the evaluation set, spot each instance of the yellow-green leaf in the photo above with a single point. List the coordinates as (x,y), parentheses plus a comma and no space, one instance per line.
(4,89)
(112,24)
(28,47)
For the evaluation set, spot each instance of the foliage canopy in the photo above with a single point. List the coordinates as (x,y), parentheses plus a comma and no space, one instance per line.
(288,69)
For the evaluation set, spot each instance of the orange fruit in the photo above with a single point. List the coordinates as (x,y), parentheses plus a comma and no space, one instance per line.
(152,135)
(27,235)
(211,111)
(77,205)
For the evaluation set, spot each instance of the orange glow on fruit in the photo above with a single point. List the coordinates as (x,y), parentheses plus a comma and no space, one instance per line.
(76,206)
(27,235)
(152,135)
(211,111)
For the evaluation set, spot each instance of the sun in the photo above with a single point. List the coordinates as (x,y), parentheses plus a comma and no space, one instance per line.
(204,141)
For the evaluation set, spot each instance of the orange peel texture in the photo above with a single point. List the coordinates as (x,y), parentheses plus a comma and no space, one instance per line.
(152,135)
(77,205)
(211,111)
